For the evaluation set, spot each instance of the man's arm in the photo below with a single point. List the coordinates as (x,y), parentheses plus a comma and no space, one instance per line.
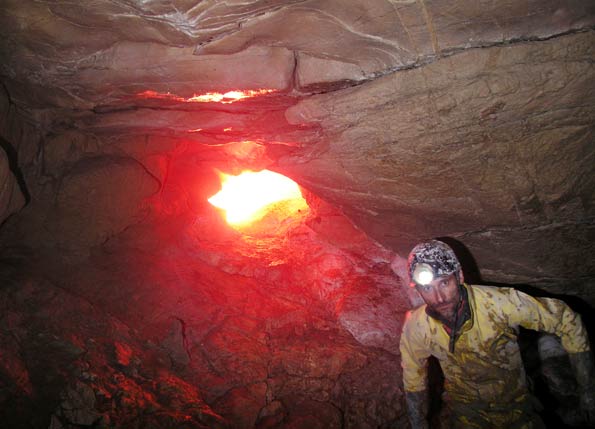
(556,317)
(417,409)
(414,358)
(584,371)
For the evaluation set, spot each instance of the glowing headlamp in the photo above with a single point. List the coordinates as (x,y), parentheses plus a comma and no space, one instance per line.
(423,274)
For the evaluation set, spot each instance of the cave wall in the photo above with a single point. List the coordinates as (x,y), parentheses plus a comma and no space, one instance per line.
(492,147)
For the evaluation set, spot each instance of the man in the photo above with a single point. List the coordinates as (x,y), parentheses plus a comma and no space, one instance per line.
(472,331)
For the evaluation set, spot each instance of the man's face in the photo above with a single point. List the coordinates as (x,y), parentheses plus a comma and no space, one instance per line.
(441,295)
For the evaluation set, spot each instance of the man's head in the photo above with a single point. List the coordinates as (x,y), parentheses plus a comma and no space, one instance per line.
(435,272)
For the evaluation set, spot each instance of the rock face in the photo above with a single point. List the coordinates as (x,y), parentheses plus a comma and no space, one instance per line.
(130,303)
(492,147)
(170,324)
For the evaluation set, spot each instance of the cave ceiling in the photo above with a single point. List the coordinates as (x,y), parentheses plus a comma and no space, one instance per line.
(462,119)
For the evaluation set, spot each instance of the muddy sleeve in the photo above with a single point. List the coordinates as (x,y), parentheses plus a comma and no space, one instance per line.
(414,356)
(548,315)
(417,409)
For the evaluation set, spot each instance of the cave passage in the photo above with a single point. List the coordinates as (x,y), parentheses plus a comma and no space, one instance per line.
(133,296)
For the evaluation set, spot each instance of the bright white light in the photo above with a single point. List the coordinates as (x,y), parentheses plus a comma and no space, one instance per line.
(425,277)
(423,274)
(245,196)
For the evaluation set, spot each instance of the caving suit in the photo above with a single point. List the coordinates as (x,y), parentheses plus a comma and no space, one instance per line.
(485,383)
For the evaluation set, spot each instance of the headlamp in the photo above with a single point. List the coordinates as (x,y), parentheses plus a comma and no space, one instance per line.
(423,274)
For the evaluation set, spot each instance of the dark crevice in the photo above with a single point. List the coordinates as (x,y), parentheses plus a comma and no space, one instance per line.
(13,164)
(456,50)
(516,40)
(429,59)
(185,343)
(12,155)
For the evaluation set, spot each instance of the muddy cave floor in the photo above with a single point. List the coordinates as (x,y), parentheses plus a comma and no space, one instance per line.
(186,324)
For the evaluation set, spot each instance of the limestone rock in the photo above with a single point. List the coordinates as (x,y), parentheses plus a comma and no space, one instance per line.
(98,198)
(78,406)
(399,160)
(304,412)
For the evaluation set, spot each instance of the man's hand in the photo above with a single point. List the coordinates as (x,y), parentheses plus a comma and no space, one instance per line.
(417,408)
(588,405)
(584,371)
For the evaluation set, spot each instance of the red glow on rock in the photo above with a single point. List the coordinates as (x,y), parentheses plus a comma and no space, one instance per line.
(208,97)
(250,196)
(123,353)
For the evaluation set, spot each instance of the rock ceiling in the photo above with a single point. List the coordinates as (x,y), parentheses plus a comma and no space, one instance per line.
(417,118)
(413,118)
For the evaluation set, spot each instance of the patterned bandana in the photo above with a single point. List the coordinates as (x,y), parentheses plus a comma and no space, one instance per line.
(437,255)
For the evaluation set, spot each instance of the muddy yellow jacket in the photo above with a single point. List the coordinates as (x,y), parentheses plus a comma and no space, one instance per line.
(485,371)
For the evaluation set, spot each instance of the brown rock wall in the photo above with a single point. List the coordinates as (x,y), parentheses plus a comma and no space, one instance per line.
(494,139)
(96,200)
